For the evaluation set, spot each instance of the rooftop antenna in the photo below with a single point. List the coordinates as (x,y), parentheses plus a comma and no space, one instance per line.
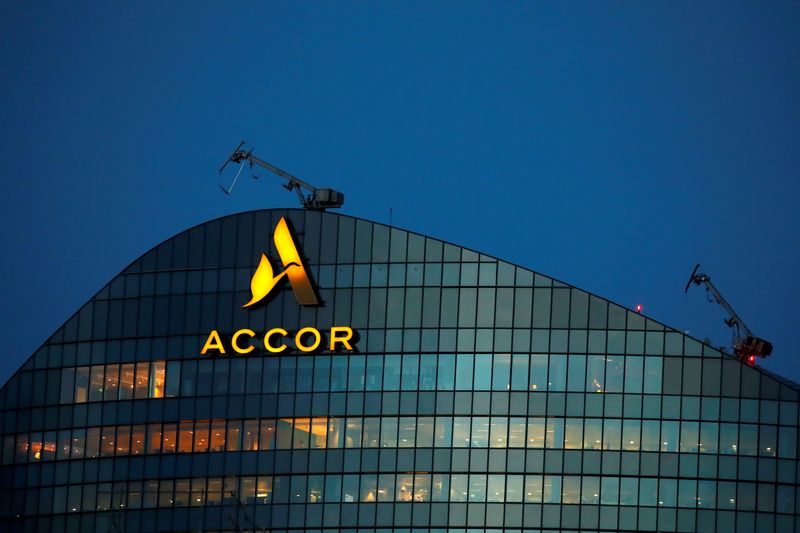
(746,346)
(319,199)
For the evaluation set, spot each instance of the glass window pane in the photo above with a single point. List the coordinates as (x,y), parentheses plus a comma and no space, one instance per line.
(573,433)
(96,383)
(369,488)
(157,379)
(405,488)
(63,446)
(389,433)
(706,494)
(386,487)
(536,431)
(667,492)
(266,437)
(631,430)
(406,432)
(533,489)
(514,488)
(538,372)
(555,433)
(612,434)
(422,487)
(501,372)
(154,438)
(615,365)
(590,490)
(425,432)
(633,374)
(498,432)
(748,439)
(126,382)
(185,436)
(551,492)
(78,443)
(496,488)
(440,487)
(443,431)
(250,433)
(652,375)
(519,372)
(336,431)
(233,437)
(628,491)
(374,373)
(142,380)
(516,432)
(446,372)
(170,433)
(577,373)
(123,440)
(111,391)
(483,371)
(609,492)
(67,385)
(461,432)
(477,487)
(301,434)
(82,384)
(687,493)
(107,441)
(650,435)
(690,435)
(480,432)
(558,373)
(319,432)
(669,436)
(353,435)
(728,438)
(592,433)
(787,445)
(391,372)
(459,487)
(36,445)
(595,373)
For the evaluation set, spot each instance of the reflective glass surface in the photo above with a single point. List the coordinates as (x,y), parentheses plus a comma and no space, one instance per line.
(480,396)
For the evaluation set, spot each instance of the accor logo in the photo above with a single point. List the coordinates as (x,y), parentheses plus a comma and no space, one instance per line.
(264,280)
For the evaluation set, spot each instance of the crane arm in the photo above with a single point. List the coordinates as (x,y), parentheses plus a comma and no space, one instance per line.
(295,182)
(316,199)
(735,319)
(745,345)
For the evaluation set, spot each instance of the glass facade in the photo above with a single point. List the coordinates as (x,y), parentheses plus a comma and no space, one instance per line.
(479,396)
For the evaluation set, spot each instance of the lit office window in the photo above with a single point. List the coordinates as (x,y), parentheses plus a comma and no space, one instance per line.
(157,380)
(217,435)
(111,391)
(126,381)
(201,436)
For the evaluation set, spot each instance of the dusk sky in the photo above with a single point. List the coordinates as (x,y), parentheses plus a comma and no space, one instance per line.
(610,145)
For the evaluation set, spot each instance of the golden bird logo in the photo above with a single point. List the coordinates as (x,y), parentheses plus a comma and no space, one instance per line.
(264,279)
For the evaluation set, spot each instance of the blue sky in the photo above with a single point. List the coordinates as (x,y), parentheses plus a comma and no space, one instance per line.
(611,145)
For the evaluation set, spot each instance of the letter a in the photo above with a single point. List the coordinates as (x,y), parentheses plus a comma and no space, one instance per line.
(213,342)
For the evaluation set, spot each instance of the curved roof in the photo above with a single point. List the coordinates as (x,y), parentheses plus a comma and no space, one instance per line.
(235,242)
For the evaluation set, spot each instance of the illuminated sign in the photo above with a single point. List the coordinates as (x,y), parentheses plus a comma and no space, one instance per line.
(277,340)
(308,339)
(264,279)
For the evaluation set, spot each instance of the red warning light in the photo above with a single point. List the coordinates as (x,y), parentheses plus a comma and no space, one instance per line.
(639,308)
(751,360)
